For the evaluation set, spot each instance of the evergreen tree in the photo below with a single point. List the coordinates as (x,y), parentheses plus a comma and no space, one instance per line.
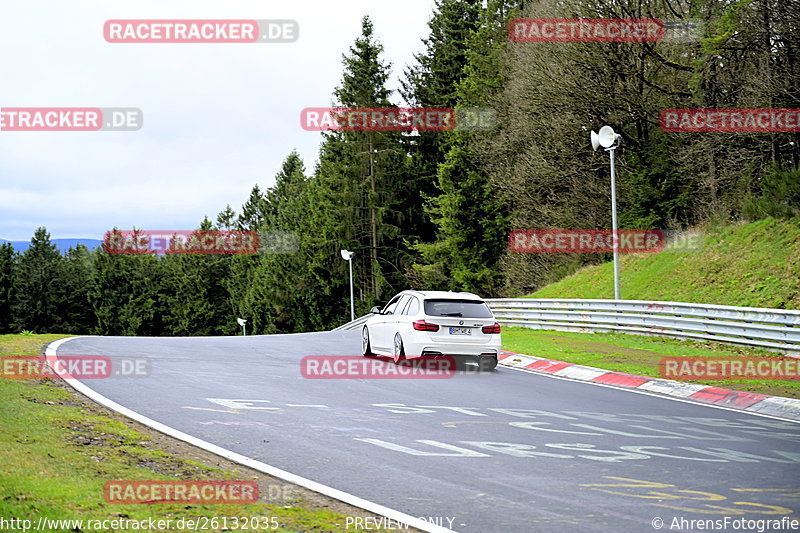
(281,285)
(196,292)
(253,211)
(358,193)
(76,277)
(433,82)
(127,293)
(38,293)
(469,212)
(226,219)
(7,262)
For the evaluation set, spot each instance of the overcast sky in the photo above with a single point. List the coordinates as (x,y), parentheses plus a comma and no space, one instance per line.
(218,118)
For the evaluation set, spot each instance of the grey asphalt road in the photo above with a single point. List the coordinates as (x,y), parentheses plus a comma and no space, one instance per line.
(502,451)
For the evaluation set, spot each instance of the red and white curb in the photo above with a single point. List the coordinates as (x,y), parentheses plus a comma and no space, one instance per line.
(746,401)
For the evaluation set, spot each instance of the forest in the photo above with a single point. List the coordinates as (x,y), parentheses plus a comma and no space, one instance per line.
(433,209)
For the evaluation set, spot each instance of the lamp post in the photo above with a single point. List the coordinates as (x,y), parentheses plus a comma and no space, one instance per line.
(348,256)
(610,141)
(242,322)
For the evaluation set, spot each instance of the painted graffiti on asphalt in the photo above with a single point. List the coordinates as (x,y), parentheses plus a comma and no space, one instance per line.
(569,434)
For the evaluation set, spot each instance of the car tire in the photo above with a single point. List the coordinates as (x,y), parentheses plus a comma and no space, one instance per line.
(398,351)
(366,349)
(488,364)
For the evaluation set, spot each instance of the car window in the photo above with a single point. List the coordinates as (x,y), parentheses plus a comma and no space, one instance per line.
(459,308)
(390,307)
(412,308)
(401,304)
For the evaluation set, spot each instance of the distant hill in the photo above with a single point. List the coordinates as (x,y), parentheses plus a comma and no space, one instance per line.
(62,244)
(755,264)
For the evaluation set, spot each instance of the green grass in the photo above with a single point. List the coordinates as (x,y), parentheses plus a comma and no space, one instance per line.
(57,451)
(755,264)
(636,354)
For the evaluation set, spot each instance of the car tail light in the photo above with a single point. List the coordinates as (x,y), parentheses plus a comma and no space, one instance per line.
(491,329)
(421,325)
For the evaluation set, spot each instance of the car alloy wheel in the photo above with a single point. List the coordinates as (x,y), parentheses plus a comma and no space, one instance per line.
(366,349)
(397,351)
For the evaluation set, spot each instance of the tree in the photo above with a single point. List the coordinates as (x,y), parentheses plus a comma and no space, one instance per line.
(76,276)
(226,219)
(278,279)
(7,262)
(469,212)
(127,293)
(196,295)
(38,293)
(253,211)
(357,191)
(433,82)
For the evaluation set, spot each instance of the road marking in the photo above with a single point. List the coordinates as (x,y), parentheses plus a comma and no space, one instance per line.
(456,451)
(209,409)
(686,494)
(456,422)
(243,404)
(350,499)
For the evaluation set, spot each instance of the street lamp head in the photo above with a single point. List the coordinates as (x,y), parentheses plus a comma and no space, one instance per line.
(241,321)
(346,255)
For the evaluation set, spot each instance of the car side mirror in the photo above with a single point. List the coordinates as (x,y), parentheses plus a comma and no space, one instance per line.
(375,310)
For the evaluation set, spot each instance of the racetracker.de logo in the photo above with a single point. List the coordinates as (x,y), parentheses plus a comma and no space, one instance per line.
(397,118)
(585,30)
(181,242)
(359,367)
(201,31)
(585,241)
(191,492)
(72,367)
(730,120)
(65,366)
(70,119)
(719,368)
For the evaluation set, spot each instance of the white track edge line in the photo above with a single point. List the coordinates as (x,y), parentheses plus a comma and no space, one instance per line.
(653,394)
(350,499)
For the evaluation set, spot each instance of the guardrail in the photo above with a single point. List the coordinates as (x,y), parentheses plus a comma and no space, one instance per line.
(353,324)
(773,329)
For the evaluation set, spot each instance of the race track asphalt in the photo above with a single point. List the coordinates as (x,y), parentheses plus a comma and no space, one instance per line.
(506,451)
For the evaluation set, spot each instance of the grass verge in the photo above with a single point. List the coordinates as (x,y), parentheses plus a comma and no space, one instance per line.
(637,354)
(753,264)
(57,451)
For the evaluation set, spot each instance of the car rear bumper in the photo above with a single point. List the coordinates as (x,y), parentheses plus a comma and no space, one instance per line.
(454,350)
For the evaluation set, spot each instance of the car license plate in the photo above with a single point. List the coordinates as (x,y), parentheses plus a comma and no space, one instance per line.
(460,331)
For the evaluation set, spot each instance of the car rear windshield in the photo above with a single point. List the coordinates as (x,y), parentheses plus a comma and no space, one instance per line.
(465,308)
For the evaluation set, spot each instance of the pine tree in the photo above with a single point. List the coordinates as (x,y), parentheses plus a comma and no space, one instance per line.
(469,212)
(253,211)
(281,285)
(226,219)
(7,262)
(76,277)
(358,191)
(38,294)
(197,295)
(127,294)
(433,82)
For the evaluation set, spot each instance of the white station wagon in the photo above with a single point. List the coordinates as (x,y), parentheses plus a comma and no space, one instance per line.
(433,324)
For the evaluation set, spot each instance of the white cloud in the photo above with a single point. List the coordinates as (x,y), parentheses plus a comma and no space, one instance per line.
(218,118)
